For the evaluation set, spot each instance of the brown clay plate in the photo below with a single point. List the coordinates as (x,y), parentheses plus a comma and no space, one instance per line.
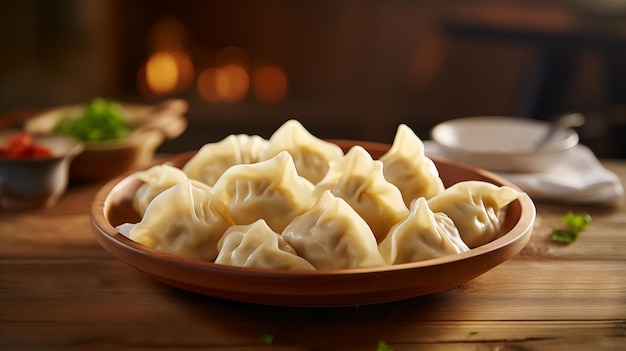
(112,206)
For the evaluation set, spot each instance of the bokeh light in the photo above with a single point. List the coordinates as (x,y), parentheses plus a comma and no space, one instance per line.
(229,83)
(161,73)
(169,68)
(233,82)
(167,72)
(269,84)
(226,76)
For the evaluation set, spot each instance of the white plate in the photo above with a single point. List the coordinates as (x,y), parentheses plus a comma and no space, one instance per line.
(500,143)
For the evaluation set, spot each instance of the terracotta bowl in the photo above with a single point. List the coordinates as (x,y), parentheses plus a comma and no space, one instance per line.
(151,124)
(112,207)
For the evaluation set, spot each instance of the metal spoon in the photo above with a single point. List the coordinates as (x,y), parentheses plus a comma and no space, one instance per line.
(568,120)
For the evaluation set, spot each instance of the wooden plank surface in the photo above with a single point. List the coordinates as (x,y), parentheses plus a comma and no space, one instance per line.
(60,291)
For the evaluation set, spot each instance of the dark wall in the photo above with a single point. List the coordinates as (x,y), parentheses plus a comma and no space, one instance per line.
(356,69)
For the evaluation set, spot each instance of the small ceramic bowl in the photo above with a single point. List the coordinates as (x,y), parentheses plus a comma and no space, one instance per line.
(500,143)
(31,183)
(151,124)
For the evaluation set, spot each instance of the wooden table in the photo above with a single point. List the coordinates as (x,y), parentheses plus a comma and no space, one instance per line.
(60,290)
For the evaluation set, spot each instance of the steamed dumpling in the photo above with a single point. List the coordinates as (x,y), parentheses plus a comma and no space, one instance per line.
(331,235)
(156,179)
(213,159)
(310,154)
(187,220)
(422,235)
(359,180)
(476,207)
(257,245)
(271,190)
(406,166)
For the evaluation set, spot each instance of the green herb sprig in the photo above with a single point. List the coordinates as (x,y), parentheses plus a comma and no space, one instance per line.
(101,120)
(575,223)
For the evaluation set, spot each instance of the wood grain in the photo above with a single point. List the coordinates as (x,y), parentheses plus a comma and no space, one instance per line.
(60,291)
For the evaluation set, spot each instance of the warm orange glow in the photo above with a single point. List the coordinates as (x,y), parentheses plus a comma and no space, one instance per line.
(169,69)
(161,73)
(229,83)
(227,78)
(233,82)
(166,72)
(269,84)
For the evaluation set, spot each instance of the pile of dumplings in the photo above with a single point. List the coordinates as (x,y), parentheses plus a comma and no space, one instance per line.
(297,202)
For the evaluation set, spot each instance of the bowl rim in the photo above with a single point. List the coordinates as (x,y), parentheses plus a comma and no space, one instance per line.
(102,200)
(119,245)
(571,139)
(75,147)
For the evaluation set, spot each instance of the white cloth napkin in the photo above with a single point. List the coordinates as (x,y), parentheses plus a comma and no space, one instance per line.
(579,179)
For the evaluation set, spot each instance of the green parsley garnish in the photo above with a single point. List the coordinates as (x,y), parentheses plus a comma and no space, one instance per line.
(575,223)
(382,346)
(100,120)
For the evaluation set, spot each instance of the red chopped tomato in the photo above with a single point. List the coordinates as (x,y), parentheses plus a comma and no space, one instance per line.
(21,145)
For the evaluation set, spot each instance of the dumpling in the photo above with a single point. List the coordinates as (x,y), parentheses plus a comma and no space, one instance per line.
(422,235)
(271,190)
(406,166)
(331,235)
(257,245)
(476,207)
(310,154)
(359,180)
(156,179)
(187,220)
(210,162)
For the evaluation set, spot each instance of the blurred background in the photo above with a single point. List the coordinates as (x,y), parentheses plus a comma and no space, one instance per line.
(346,69)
